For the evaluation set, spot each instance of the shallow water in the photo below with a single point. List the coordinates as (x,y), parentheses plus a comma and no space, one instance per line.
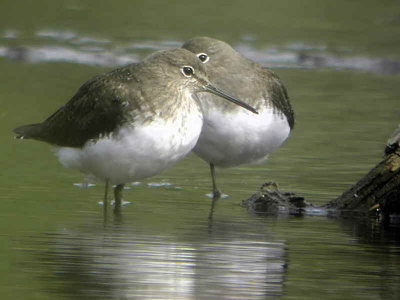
(339,62)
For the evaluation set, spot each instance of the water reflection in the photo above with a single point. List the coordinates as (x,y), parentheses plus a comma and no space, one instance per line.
(383,246)
(370,231)
(117,262)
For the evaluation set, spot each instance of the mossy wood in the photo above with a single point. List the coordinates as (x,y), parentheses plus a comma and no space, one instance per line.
(379,189)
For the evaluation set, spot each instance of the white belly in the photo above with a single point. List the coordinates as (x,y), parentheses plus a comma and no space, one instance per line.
(240,137)
(135,152)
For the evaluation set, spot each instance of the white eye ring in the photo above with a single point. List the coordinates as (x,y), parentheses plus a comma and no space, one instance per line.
(187,71)
(203,57)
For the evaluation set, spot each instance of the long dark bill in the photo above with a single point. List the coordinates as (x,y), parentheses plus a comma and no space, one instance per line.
(212,89)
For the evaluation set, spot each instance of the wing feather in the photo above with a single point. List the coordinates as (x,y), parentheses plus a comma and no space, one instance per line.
(97,109)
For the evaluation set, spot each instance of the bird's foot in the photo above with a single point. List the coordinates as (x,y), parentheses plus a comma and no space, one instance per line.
(123,202)
(217,195)
(84,185)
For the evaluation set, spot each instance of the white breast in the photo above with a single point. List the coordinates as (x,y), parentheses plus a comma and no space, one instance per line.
(137,151)
(238,137)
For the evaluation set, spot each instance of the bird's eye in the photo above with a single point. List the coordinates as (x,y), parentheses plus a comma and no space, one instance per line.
(188,71)
(203,57)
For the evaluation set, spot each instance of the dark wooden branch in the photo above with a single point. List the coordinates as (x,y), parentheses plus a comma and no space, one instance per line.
(379,187)
(374,187)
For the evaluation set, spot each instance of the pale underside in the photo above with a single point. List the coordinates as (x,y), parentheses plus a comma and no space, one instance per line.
(240,137)
(138,151)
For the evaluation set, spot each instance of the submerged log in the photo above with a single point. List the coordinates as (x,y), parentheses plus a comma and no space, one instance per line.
(380,182)
(379,190)
(379,187)
(377,193)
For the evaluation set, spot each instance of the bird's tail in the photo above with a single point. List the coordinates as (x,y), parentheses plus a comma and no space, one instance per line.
(28,131)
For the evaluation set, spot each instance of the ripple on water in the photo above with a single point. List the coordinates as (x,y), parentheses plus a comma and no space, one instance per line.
(96,51)
(126,264)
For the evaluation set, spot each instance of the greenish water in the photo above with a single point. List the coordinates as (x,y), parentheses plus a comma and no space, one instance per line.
(54,242)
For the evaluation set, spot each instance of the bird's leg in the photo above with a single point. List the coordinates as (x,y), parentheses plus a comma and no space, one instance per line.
(105,200)
(118,197)
(215,190)
(213,203)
